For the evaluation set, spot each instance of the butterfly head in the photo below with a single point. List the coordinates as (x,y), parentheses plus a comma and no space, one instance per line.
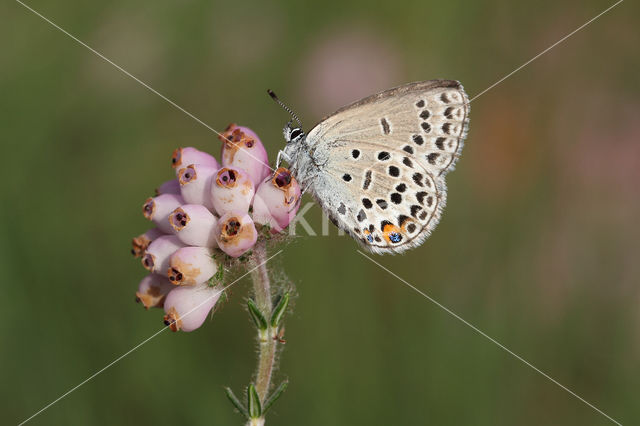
(292,135)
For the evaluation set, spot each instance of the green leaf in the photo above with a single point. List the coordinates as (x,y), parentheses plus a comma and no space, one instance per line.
(274,396)
(279,310)
(236,403)
(258,319)
(253,402)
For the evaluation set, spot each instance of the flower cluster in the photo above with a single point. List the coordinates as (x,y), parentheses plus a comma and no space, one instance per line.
(209,215)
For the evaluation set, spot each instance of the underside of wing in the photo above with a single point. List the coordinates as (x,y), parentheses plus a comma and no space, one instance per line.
(426,119)
(379,196)
(381,162)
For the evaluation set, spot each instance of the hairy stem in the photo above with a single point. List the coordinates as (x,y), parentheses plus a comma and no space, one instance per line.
(267,344)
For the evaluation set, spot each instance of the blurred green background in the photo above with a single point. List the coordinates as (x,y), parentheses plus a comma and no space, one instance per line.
(538,246)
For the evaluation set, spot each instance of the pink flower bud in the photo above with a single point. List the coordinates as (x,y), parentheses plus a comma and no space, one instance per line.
(187,307)
(243,149)
(236,233)
(195,184)
(231,191)
(276,200)
(185,156)
(141,242)
(191,266)
(152,290)
(194,224)
(159,208)
(156,258)
(169,187)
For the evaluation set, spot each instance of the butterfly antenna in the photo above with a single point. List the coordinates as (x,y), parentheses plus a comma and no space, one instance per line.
(286,108)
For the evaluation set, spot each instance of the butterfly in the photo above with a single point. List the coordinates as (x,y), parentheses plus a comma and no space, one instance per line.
(377,166)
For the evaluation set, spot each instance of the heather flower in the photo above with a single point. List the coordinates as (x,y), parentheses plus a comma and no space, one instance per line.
(141,242)
(212,219)
(191,266)
(182,157)
(236,233)
(186,308)
(195,184)
(169,187)
(158,209)
(277,200)
(243,149)
(231,191)
(152,290)
(194,225)
(156,257)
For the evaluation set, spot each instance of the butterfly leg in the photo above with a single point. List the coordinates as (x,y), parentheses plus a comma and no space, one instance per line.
(282,155)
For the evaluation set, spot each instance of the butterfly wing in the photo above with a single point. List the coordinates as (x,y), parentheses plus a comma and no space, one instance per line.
(383,159)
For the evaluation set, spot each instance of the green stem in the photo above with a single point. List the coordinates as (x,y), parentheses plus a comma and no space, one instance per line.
(267,343)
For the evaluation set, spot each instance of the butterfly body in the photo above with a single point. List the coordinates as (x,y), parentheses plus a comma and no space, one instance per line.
(376,167)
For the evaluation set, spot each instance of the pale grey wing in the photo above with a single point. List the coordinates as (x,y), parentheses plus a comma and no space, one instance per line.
(427,119)
(381,198)
(366,150)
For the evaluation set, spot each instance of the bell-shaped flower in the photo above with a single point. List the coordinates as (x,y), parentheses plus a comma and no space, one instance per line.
(152,290)
(243,149)
(236,233)
(140,243)
(187,308)
(156,258)
(169,187)
(195,184)
(158,209)
(231,190)
(182,157)
(194,224)
(191,266)
(277,200)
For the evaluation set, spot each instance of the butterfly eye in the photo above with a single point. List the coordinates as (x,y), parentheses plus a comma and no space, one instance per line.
(295,133)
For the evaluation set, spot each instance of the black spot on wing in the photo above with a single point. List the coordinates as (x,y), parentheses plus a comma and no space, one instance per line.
(386,129)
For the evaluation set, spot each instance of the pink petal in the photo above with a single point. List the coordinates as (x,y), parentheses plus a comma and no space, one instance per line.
(191,266)
(141,242)
(189,155)
(156,258)
(194,224)
(195,184)
(152,290)
(243,149)
(169,187)
(159,208)
(236,233)
(277,200)
(187,307)
(231,191)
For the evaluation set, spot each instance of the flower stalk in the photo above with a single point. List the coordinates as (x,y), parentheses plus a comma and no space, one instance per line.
(266,313)
(267,339)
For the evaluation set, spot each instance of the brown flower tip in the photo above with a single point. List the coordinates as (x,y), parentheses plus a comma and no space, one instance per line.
(187,174)
(139,244)
(282,178)
(234,138)
(232,227)
(172,320)
(179,219)
(226,178)
(152,298)
(148,208)
(175,276)
(176,158)
(148,261)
